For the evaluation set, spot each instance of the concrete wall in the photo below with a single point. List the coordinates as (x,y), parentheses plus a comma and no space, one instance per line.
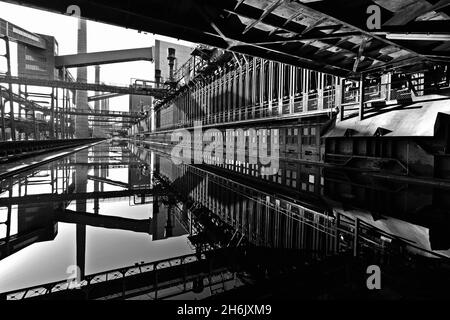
(39,63)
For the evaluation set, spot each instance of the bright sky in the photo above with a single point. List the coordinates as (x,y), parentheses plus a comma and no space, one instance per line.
(101,37)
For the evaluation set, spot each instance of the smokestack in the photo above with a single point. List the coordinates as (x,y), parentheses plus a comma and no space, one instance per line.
(81,122)
(97,81)
(157,77)
(171,59)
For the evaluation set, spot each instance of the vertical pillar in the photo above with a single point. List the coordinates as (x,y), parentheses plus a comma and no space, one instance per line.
(2,114)
(306,78)
(356,237)
(270,93)
(386,86)
(320,91)
(152,119)
(280,87)
(247,88)
(254,84)
(291,89)
(52,114)
(262,78)
(340,92)
(97,130)
(64,103)
(240,94)
(10,90)
(361,97)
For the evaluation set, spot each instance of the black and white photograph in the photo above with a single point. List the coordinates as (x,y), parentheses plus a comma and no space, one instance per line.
(225,158)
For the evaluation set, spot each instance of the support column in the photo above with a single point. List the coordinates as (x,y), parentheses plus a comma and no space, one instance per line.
(361,97)
(97,130)
(280,87)
(386,86)
(306,78)
(2,114)
(340,97)
(52,114)
(320,91)
(291,88)
(10,89)
(270,93)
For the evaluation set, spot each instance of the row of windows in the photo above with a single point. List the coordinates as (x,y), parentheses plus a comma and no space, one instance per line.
(35,58)
(34,68)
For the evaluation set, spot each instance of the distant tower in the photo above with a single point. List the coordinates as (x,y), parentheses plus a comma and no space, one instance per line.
(81,122)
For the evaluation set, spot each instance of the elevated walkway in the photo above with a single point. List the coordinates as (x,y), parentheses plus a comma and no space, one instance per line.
(158,93)
(104,57)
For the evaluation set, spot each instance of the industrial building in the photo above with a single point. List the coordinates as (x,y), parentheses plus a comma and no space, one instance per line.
(292,147)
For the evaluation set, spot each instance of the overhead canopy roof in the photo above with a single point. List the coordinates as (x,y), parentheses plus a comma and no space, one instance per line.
(328,35)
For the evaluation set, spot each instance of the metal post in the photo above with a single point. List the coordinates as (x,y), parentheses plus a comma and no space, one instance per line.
(340,98)
(52,115)
(356,237)
(2,112)
(63,115)
(361,97)
(11,103)
(58,115)
(338,234)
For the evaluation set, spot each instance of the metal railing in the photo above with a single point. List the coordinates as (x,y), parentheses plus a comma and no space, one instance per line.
(11,150)
(261,110)
(113,88)
(101,277)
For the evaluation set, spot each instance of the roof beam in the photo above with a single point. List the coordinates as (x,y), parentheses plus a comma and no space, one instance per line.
(315,24)
(362,47)
(338,15)
(298,29)
(345,35)
(415,10)
(266,12)
(292,17)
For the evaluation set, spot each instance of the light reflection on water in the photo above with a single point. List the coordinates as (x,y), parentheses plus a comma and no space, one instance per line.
(47,246)
(46,259)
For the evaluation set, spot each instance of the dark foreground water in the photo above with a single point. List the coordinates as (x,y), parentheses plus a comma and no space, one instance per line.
(97,209)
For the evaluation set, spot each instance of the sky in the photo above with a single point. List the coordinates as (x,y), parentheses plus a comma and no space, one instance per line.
(101,37)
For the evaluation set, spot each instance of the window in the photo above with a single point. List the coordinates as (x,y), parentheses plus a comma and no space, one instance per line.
(309,136)
(34,67)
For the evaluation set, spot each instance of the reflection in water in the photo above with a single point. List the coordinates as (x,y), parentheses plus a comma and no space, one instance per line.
(118,205)
(93,233)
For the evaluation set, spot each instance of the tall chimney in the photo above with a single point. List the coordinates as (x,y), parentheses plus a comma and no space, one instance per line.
(81,122)
(171,59)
